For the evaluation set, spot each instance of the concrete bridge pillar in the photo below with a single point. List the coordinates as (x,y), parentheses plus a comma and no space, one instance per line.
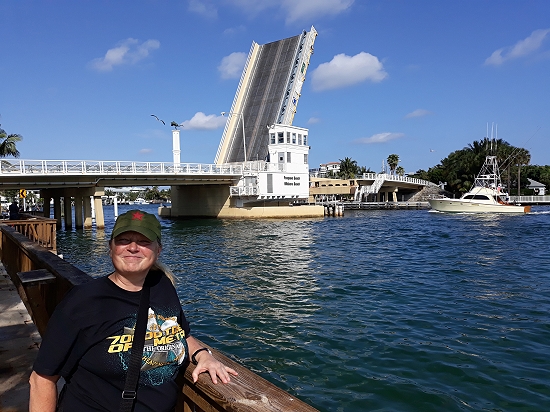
(68,211)
(394,194)
(46,195)
(78,221)
(199,200)
(98,206)
(57,210)
(87,212)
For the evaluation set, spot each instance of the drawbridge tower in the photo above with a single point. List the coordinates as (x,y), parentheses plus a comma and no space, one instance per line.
(267,95)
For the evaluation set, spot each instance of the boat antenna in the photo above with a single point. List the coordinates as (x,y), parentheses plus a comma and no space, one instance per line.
(496,138)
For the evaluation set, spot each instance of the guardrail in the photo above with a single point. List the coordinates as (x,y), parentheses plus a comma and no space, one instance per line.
(395,178)
(83,167)
(42,279)
(101,167)
(91,167)
(531,199)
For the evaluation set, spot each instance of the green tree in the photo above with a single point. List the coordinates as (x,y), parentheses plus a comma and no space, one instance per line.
(348,168)
(364,170)
(392,161)
(460,167)
(400,170)
(8,144)
(152,193)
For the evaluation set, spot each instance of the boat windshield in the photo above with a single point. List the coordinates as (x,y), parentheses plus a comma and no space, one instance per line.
(477,197)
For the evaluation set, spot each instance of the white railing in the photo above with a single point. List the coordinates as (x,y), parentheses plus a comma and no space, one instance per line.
(83,167)
(530,199)
(395,178)
(377,184)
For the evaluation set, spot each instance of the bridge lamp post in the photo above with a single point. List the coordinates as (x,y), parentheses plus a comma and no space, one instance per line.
(242,122)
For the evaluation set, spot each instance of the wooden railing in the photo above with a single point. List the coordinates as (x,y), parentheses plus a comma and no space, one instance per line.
(36,228)
(42,279)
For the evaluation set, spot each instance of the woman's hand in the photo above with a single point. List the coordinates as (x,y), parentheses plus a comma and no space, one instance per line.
(207,363)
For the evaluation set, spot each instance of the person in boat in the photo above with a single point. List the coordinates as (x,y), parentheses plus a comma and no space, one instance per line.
(89,337)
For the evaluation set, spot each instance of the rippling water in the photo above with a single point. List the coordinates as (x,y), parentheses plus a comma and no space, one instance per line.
(375,311)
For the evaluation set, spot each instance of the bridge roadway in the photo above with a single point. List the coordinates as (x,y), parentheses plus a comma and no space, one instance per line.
(78,180)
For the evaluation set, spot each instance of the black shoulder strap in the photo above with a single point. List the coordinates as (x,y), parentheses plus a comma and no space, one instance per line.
(132,375)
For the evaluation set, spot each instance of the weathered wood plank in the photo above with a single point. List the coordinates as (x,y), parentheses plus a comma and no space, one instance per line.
(247,392)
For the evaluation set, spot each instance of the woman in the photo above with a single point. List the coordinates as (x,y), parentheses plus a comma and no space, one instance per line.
(89,337)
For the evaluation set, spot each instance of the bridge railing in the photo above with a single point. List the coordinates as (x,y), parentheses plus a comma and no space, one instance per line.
(42,280)
(83,167)
(394,178)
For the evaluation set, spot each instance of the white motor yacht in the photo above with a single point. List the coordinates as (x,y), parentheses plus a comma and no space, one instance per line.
(485,196)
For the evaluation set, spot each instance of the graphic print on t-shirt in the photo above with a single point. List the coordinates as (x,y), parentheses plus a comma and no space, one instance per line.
(165,344)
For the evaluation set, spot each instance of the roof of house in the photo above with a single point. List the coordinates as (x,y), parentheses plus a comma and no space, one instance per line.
(533,183)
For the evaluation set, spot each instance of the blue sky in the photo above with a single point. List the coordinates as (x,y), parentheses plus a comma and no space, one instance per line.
(80,79)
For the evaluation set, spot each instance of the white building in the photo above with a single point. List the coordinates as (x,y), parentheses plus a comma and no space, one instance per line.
(284,175)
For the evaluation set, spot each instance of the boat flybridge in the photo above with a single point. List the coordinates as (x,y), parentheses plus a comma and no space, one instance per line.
(485,196)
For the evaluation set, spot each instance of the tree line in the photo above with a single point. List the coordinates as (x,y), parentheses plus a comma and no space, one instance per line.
(151,194)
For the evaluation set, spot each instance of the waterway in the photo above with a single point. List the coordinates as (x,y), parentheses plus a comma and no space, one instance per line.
(375,311)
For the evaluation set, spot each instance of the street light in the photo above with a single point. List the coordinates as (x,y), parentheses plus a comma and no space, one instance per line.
(242,121)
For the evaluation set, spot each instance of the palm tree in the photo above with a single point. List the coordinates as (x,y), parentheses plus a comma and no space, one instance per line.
(393,160)
(348,168)
(400,170)
(522,157)
(7,144)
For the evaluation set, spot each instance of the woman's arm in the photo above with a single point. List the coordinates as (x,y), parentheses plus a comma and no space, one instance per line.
(43,395)
(207,363)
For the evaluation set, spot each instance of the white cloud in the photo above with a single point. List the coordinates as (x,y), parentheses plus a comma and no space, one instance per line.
(299,10)
(380,138)
(201,121)
(522,48)
(294,10)
(343,71)
(128,51)
(145,151)
(232,66)
(313,120)
(418,113)
(234,30)
(203,8)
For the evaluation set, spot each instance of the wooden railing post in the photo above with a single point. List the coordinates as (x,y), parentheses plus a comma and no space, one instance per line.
(36,289)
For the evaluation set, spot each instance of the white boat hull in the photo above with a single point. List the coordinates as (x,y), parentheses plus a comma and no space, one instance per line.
(462,206)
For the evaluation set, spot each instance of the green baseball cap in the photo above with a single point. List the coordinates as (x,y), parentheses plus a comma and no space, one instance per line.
(137,221)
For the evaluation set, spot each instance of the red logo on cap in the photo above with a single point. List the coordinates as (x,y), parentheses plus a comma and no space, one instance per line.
(137,216)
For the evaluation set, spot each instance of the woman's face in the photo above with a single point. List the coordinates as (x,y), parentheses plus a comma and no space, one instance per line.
(133,253)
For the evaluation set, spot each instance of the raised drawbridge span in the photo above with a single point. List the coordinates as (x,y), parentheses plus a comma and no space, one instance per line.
(267,95)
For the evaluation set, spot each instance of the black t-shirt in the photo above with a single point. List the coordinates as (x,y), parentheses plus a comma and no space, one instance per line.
(88,342)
